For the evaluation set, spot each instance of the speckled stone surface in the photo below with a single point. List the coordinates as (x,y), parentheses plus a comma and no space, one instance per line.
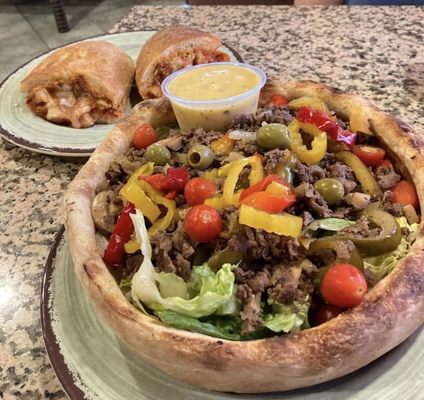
(374,51)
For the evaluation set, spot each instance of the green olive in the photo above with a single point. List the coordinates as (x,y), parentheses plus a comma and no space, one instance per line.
(273,136)
(331,189)
(158,153)
(200,156)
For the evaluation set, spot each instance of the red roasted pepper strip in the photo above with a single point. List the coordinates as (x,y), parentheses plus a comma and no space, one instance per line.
(174,181)
(262,185)
(327,124)
(269,202)
(124,228)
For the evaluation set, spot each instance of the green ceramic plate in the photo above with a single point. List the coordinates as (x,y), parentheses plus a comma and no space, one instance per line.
(92,363)
(21,127)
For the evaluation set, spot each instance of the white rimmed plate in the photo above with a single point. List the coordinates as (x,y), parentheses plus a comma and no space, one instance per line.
(21,127)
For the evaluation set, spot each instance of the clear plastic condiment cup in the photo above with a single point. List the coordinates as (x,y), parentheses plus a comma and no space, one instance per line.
(214,114)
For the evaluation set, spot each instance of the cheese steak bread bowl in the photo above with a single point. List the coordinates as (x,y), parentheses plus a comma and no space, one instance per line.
(81,84)
(255,305)
(170,50)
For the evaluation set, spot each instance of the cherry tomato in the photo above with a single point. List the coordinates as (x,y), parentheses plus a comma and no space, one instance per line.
(404,193)
(278,100)
(343,286)
(198,190)
(325,313)
(144,136)
(202,223)
(371,156)
(386,163)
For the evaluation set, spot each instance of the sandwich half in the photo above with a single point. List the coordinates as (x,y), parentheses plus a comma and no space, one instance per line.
(170,50)
(81,84)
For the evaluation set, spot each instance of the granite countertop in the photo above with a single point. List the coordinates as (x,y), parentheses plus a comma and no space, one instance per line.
(373,51)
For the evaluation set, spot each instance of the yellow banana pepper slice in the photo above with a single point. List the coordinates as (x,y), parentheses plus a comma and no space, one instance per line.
(146,169)
(211,175)
(134,194)
(132,246)
(281,224)
(222,145)
(318,145)
(313,102)
(219,202)
(163,222)
(232,171)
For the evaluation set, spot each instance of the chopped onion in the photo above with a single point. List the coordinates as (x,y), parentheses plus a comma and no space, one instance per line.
(410,214)
(242,135)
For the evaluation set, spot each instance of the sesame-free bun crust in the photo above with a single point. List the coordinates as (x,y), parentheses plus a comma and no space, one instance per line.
(391,311)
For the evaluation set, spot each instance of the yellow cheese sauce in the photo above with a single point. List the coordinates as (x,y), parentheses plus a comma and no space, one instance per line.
(214,82)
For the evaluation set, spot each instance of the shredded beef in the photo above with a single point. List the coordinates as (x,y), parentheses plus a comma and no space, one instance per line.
(258,244)
(312,200)
(329,256)
(288,289)
(344,174)
(245,147)
(388,205)
(307,218)
(172,252)
(308,173)
(386,177)
(250,315)
(272,159)
(361,228)
(197,136)
(269,114)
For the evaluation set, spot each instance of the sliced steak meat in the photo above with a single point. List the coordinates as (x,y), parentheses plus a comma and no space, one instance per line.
(250,315)
(245,147)
(261,245)
(308,173)
(361,228)
(198,136)
(386,177)
(172,252)
(387,203)
(269,114)
(344,174)
(312,201)
(272,159)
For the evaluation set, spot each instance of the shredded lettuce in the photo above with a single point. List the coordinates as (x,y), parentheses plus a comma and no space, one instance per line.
(287,318)
(380,266)
(207,292)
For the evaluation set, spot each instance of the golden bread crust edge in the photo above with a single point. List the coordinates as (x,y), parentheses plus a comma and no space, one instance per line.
(391,311)
(163,45)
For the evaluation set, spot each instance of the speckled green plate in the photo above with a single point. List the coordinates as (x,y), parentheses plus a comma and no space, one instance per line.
(21,127)
(92,363)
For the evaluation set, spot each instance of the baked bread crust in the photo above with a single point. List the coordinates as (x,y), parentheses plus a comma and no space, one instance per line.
(169,50)
(101,70)
(391,311)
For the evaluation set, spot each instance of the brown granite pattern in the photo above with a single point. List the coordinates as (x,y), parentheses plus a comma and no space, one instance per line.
(370,50)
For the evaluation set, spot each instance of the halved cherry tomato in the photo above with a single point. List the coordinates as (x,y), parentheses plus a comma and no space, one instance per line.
(278,100)
(386,163)
(343,285)
(325,313)
(144,136)
(202,223)
(404,193)
(269,202)
(198,190)
(262,185)
(371,156)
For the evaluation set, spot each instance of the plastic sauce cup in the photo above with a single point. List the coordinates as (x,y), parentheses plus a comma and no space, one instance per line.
(217,113)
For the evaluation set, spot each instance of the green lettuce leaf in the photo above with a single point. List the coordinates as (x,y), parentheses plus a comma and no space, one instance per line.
(228,329)
(287,318)
(380,266)
(328,224)
(207,292)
